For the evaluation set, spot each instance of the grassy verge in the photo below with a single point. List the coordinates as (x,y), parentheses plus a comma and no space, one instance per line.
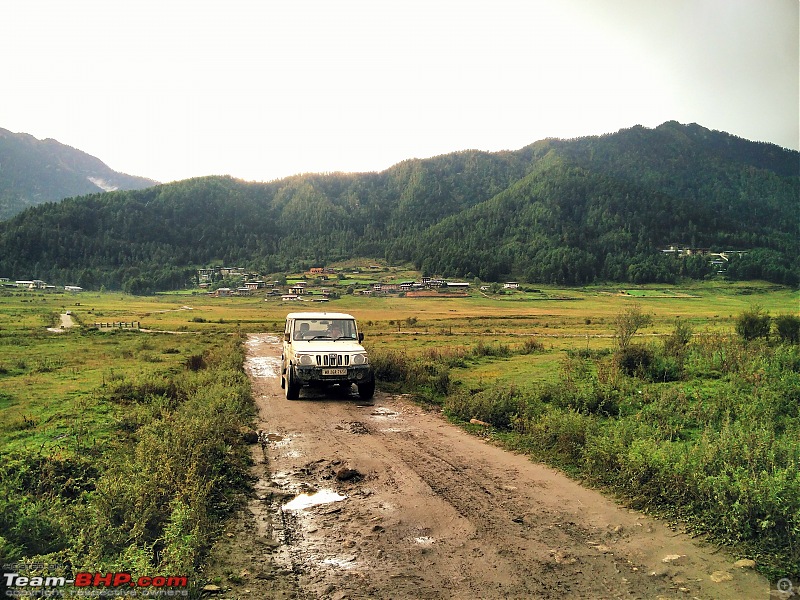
(122,451)
(717,448)
(704,431)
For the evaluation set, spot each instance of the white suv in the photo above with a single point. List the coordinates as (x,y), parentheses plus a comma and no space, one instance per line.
(322,349)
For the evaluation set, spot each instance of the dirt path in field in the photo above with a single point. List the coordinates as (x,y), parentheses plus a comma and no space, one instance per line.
(388,500)
(66,322)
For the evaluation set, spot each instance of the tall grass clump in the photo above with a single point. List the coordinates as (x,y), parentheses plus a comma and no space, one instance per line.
(427,378)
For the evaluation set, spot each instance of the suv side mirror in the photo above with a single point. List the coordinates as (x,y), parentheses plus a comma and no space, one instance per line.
(360,337)
(287,337)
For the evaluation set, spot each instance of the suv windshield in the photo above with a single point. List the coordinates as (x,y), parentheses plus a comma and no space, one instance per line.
(335,329)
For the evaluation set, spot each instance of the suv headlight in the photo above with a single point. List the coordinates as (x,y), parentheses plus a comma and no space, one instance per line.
(305,359)
(360,359)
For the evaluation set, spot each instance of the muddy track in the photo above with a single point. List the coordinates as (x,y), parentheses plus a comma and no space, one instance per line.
(400,504)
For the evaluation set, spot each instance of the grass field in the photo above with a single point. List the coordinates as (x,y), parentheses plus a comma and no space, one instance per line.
(80,406)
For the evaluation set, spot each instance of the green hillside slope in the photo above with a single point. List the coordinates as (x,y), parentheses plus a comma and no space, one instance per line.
(567,212)
(35,171)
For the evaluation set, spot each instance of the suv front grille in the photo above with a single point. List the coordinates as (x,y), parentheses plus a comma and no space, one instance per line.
(333,360)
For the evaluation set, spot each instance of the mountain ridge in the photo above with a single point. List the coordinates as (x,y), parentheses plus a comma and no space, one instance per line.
(34,171)
(598,208)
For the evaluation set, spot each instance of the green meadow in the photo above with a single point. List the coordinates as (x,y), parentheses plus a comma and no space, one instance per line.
(124,448)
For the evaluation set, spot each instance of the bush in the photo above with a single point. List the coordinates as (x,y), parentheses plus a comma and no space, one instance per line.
(753,323)
(499,407)
(787,328)
(675,344)
(429,378)
(531,346)
(482,349)
(560,436)
(634,360)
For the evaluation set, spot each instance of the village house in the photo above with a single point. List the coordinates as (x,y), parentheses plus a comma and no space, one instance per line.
(231,271)
(35,284)
(206,275)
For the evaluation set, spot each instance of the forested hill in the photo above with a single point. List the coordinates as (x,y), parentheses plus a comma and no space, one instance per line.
(557,211)
(36,171)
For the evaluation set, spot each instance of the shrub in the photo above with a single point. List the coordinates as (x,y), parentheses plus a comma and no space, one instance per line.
(664,368)
(391,366)
(531,345)
(675,344)
(753,323)
(560,436)
(634,360)
(787,328)
(429,378)
(483,349)
(498,406)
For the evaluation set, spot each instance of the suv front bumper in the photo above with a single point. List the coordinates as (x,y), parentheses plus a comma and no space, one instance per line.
(313,375)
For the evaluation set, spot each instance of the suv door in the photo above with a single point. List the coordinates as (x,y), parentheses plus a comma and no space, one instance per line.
(287,332)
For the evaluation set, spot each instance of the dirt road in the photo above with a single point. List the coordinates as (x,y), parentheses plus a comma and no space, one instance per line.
(387,500)
(66,323)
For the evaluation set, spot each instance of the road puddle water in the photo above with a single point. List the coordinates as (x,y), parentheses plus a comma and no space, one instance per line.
(424,541)
(383,412)
(348,562)
(385,416)
(262,367)
(304,501)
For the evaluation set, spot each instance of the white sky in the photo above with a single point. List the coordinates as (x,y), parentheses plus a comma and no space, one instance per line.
(263,89)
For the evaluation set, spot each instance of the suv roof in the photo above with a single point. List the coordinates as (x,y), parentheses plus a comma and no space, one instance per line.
(318,315)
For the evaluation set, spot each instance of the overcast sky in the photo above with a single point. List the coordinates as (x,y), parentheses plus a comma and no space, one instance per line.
(263,89)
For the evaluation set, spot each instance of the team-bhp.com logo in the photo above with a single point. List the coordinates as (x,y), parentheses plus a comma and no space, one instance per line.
(118,584)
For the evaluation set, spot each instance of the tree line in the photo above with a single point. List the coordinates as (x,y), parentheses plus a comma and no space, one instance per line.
(562,212)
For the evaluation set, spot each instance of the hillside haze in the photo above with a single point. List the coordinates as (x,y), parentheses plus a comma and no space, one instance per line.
(564,212)
(36,171)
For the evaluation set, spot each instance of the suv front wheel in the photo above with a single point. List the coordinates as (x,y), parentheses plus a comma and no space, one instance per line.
(292,388)
(366,390)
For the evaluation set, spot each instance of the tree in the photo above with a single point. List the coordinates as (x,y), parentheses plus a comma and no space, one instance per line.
(627,323)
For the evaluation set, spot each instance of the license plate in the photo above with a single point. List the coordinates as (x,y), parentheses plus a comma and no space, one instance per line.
(334,371)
